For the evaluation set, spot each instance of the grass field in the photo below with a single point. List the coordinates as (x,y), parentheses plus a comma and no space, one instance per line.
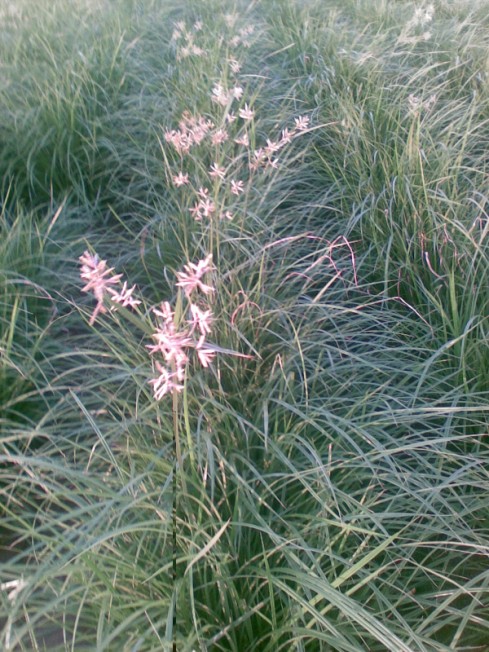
(244,326)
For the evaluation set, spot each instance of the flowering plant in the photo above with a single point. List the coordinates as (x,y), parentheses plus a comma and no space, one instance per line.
(174,337)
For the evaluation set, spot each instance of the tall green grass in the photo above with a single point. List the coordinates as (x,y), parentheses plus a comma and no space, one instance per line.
(330,488)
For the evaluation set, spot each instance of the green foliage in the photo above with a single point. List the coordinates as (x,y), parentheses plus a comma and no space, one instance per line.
(324,486)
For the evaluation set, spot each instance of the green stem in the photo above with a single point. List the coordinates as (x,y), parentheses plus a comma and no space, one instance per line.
(190,442)
(176,433)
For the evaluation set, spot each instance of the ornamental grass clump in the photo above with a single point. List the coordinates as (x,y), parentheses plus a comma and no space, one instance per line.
(329,493)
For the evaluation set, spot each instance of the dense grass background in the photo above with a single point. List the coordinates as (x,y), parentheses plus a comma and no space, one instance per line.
(331,490)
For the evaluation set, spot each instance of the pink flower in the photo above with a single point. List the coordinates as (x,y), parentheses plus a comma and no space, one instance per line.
(205,353)
(190,279)
(227,215)
(302,123)
(237,187)
(234,65)
(272,147)
(242,140)
(217,171)
(180,179)
(230,118)
(164,383)
(207,207)
(201,320)
(191,132)
(286,137)
(195,212)
(246,113)
(172,345)
(184,53)
(197,134)
(124,297)
(219,95)
(96,272)
(219,136)
(180,141)
(258,159)
(237,92)
(167,314)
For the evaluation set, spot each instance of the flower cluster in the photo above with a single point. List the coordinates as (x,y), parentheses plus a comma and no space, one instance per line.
(232,125)
(192,131)
(185,37)
(100,282)
(242,37)
(264,157)
(224,97)
(174,344)
(173,338)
